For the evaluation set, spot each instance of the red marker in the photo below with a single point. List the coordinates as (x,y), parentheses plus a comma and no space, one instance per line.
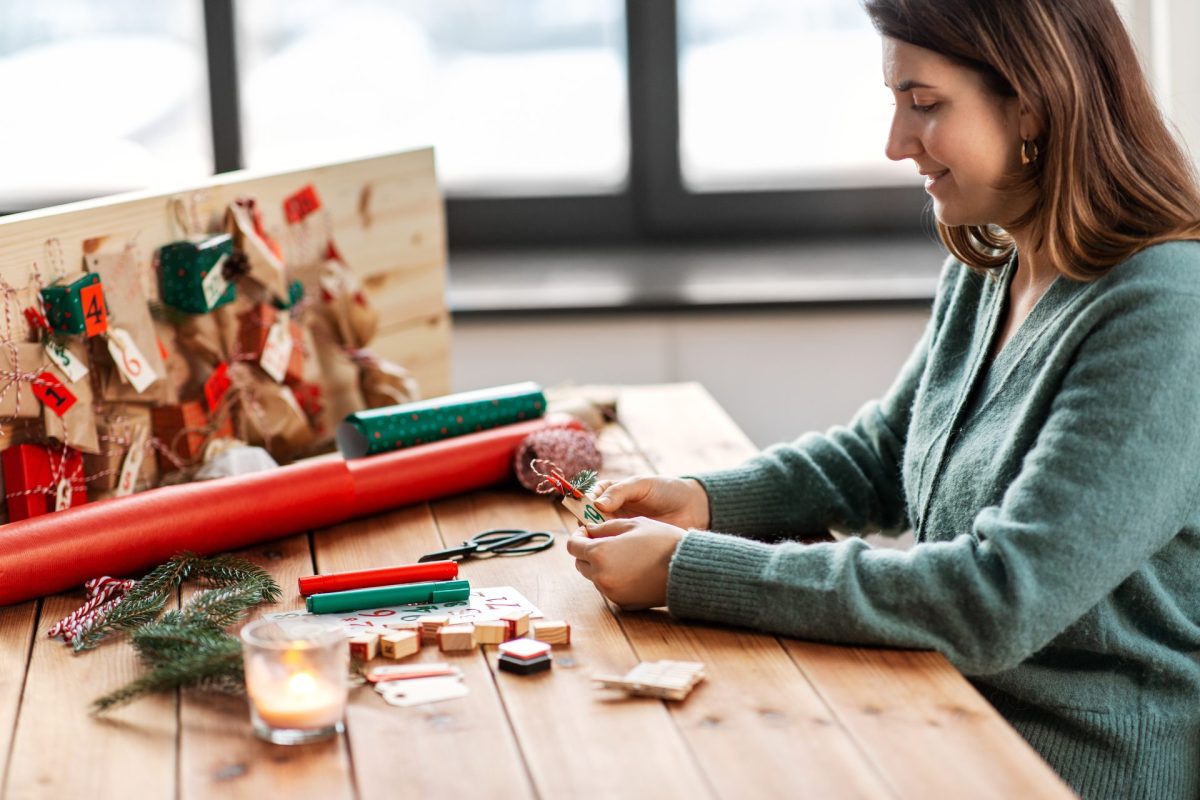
(384,576)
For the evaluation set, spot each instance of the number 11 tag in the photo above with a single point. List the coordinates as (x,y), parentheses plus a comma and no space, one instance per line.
(129,360)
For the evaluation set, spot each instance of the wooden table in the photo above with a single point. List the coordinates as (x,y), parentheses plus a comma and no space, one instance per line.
(775,718)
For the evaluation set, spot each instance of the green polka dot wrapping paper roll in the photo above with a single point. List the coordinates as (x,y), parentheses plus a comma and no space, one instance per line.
(381,430)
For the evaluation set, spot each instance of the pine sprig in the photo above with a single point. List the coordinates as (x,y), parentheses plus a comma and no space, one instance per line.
(217,668)
(187,647)
(585,480)
(142,603)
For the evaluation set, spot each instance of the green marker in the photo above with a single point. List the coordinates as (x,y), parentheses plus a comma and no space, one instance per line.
(383,596)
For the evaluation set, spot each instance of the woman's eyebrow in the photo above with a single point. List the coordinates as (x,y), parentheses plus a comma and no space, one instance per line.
(904,86)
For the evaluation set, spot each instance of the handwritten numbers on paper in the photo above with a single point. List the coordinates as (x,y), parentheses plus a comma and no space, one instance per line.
(129,360)
(65,360)
(132,465)
(95,311)
(53,394)
(277,351)
(215,283)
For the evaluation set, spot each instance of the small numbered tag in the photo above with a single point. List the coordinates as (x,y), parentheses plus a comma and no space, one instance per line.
(301,204)
(277,351)
(51,391)
(129,360)
(583,510)
(216,386)
(62,494)
(214,283)
(95,311)
(133,463)
(71,365)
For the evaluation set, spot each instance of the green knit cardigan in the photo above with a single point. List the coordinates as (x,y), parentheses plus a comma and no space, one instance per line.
(1053,492)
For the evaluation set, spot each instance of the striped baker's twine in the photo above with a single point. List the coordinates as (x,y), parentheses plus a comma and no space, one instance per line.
(102,594)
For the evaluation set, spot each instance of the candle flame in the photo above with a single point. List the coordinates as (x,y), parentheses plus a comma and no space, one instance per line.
(302,683)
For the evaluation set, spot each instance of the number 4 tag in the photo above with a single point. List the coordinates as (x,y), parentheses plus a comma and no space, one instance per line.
(95,312)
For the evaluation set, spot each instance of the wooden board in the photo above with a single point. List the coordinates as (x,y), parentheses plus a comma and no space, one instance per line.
(386,214)
(16,641)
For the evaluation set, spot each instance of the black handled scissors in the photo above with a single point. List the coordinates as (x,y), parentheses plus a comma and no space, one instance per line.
(495,543)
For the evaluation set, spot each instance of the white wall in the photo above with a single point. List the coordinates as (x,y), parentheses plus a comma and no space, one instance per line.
(778,373)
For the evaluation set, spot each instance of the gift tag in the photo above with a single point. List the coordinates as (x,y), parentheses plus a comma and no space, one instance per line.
(132,365)
(214,283)
(133,463)
(65,360)
(53,394)
(62,495)
(95,310)
(422,690)
(277,351)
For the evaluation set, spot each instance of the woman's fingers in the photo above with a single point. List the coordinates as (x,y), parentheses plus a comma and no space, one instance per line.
(621,493)
(579,546)
(612,527)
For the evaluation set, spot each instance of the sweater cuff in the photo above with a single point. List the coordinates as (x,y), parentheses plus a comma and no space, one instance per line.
(741,500)
(717,578)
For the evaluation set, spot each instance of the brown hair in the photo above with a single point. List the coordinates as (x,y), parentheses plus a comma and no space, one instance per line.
(1110,179)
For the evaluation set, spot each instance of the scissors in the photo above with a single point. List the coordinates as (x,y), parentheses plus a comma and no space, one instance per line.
(502,542)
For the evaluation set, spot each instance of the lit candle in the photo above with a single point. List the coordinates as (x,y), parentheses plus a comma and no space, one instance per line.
(295,679)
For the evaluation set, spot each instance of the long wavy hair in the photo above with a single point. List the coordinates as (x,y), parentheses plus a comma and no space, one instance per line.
(1110,178)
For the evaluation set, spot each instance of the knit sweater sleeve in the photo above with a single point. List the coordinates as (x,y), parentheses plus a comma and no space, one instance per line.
(1113,476)
(848,478)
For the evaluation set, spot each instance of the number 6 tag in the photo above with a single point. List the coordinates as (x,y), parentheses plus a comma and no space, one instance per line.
(129,360)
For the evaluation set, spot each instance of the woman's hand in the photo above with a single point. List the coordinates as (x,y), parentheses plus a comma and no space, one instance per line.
(678,501)
(627,559)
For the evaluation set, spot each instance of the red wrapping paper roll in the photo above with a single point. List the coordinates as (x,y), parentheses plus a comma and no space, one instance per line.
(125,535)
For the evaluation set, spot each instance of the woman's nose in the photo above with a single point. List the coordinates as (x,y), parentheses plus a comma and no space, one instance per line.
(902,142)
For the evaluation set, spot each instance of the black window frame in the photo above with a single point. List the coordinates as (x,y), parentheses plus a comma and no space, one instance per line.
(653,205)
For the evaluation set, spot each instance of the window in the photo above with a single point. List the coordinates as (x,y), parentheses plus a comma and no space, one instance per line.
(100,98)
(524,98)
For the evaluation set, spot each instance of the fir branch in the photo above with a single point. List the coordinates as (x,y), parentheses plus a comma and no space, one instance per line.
(228,570)
(226,605)
(217,667)
(585,480)
(160,642)
(141,604)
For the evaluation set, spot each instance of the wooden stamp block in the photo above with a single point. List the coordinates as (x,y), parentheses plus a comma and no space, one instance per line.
(365,646)
(669,680)
(517,622)
(456,637)
(550,631)
(404,625)
(430,625)
(493,631)
(400,644)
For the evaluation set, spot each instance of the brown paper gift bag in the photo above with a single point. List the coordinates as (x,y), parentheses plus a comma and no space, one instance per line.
(265,265)
(269,415)
(16,395)
(117,425)
(76,427)
(128,310)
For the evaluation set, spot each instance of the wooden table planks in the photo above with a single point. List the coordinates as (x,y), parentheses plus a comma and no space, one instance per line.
(776,717)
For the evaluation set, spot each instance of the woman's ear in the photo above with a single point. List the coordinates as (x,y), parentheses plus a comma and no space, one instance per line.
(1028,124)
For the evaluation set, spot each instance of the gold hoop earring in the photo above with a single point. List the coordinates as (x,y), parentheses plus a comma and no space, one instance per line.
(1029,151)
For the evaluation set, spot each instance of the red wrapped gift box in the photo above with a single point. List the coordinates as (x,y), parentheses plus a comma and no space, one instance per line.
(32,474)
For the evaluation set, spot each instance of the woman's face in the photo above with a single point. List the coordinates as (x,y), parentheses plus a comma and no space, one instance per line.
(962,137)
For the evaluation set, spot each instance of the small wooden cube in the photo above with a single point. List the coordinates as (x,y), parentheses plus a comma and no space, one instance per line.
(550,631)
(404,625)
(430,625)
(399,644)
(517,622)
(456,637)
(493,631)
(365,646)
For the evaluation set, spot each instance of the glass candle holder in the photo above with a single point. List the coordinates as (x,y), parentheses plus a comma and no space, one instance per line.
(296,679)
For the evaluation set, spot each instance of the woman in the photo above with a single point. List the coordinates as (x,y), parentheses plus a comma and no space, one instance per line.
(1042,441)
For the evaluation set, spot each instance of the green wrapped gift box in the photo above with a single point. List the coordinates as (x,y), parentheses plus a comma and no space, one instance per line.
(192,274)
(64,301)
(379,430)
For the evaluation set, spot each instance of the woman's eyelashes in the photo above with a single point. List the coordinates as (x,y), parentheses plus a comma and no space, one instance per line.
(924,109)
